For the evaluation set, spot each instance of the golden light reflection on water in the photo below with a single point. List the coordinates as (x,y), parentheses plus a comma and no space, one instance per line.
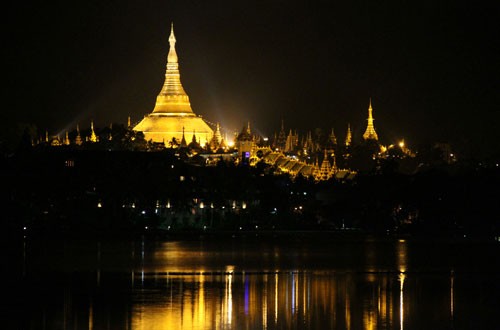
(402,261)
(203,298)
(230,300)
(177,287)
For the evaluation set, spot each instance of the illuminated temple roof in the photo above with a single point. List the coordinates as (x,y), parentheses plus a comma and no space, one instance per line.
(172,114)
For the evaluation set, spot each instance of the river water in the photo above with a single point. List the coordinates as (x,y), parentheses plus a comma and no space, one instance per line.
(251,281)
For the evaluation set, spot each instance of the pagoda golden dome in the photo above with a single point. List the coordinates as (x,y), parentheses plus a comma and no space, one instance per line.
(172,114)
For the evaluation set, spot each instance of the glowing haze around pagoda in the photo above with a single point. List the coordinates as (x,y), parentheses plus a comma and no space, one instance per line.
(172,115)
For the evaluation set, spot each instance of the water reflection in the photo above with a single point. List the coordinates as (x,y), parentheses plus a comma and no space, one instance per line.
(237,285)
(291,300)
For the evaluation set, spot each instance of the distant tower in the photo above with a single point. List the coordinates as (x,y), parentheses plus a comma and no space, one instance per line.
(370,133)
(216,140)
(308,144)
(281,141)
(93,137)
(334,165)
(183,140)
(325,171)
(66,139)
(78,139)
(245,143)
(290,142)
(348,139)
(332,137)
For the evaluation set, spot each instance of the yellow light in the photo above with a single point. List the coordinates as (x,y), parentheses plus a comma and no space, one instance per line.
(402,144)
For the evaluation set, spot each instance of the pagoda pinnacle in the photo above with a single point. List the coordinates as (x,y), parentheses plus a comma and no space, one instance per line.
(93,136)
(172,98)
(66,139)
(348,138)
(183,140)
(370,133)
(172,55)
(78,139)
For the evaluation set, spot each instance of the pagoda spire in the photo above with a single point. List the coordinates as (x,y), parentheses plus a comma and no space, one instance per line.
(370,133)
(93,137)
(217,135)
(172,98)
(66,139)
(193,140)
(348,138)
(78,139)
(216,141)
(333,139)
(110,135)
(281,141)
(183,141)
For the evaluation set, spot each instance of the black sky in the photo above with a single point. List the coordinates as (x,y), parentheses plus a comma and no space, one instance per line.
(431,68)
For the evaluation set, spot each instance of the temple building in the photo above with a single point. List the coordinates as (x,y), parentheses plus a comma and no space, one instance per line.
(370,133)
(172,114)
(245,143)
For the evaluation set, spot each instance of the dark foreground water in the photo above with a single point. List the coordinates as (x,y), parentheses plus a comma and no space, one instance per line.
(302,281)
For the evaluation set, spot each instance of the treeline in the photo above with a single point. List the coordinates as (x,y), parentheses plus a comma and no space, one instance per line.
(57,189)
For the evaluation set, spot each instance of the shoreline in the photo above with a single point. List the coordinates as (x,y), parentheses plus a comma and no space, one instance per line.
(190,235)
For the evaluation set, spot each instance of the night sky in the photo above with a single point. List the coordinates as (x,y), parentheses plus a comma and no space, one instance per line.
(431,68)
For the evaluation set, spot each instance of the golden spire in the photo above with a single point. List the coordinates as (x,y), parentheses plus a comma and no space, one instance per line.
(93,137)
(66,139)
(193,140)
(216,139)
(325,169)
(183,140)
(172,99)
(334,164)
(78,139)
(217,134)
(333,139)
(110,135)
(348,138)
(128,122)
(370,130)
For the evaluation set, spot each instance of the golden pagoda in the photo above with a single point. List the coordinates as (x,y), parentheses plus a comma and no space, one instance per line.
(93,137)
(172,114)
(325,171)
(370,133)
(348,138)
(78,139)
(66,139)
(216,141)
